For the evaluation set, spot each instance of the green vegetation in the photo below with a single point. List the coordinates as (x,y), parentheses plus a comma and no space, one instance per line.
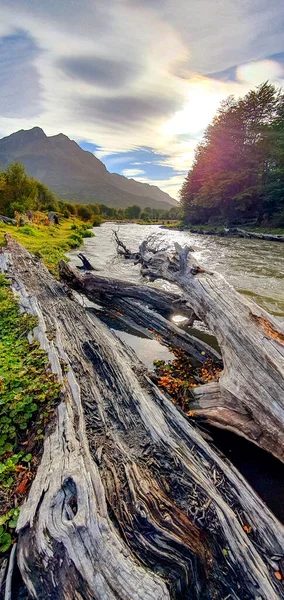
(219,229)
(48,242)
(20,193)
(29,392)
(238,172)
(147,215)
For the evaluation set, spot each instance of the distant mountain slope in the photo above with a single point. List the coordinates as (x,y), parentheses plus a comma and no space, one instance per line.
(74,174)
(141,189)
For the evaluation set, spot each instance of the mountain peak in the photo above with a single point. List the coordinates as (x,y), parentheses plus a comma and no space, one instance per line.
(35,133)
(75,174)
(59,136)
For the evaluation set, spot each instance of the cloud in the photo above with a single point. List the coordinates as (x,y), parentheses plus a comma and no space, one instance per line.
(19,79)
(132,172)
(127,110)
(98,71)
(257,71)
(171,185)
(130,74)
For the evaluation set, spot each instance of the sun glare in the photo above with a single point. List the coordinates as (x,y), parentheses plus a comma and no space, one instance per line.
(202,103)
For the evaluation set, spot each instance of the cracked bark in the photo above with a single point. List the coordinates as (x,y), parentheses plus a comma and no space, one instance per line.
(129,501)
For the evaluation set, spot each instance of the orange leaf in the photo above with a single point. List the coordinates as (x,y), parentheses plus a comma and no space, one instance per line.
(22,488)
(247,529)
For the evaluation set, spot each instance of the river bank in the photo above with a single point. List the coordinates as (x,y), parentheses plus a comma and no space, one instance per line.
(49,242)
(270,235)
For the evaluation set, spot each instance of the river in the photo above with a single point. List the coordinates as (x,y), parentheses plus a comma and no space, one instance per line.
(253,267)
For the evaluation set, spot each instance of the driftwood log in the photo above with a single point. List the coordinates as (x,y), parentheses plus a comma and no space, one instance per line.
(249,398)
(129,501)
(86,265)
(260,236)
(123,250)
(231,232)
(135,312)
(7,220)
(101,288)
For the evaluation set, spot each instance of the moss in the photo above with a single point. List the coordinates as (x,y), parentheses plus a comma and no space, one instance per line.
(29,393)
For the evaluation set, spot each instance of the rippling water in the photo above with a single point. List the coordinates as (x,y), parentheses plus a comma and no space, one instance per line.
(253,267)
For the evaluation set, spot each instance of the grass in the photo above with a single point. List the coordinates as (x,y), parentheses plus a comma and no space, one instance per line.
(28,390)
(29,393)
(157,222)
(50,243)
(272,230)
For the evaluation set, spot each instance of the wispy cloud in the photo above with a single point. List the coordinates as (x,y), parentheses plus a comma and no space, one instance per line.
(170,185)
(130,74)
(132,172)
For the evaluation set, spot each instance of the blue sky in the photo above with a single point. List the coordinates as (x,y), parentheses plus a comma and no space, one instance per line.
(134,81)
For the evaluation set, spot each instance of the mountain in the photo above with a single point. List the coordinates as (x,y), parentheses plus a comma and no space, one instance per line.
(74,174)
(141,189)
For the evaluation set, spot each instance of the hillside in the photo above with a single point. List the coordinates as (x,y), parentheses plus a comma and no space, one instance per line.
(75,174)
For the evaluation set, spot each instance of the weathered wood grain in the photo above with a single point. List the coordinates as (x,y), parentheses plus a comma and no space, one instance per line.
(129,501)
(98,287)
(134,311)
(250,399)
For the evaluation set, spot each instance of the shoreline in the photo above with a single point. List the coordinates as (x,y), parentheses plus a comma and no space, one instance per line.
(229,232)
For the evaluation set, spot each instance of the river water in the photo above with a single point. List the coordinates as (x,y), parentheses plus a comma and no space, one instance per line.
(253,267)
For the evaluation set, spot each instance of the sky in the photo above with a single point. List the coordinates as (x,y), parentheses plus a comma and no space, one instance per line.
(136,82)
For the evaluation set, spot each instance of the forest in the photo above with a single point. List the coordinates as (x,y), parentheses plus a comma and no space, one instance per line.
(20,193)
(237,175)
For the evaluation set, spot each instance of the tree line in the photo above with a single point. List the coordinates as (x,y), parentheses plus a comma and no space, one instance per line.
(20,193)
(238,170)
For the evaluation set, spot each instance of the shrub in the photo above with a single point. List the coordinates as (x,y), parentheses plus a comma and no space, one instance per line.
(86,233)
(97,221)
(76,238)
(84,213)
(27,230)
(278,219)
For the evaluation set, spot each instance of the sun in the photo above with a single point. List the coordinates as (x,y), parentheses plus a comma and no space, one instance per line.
(203,99)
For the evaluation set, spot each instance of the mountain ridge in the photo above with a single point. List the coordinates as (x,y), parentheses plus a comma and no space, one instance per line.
(74,174)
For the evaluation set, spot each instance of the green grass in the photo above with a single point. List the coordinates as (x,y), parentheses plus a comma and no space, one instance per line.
(50,243)
(174,224)
(28,389)
(156,222)
(271,231)
(29,392)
